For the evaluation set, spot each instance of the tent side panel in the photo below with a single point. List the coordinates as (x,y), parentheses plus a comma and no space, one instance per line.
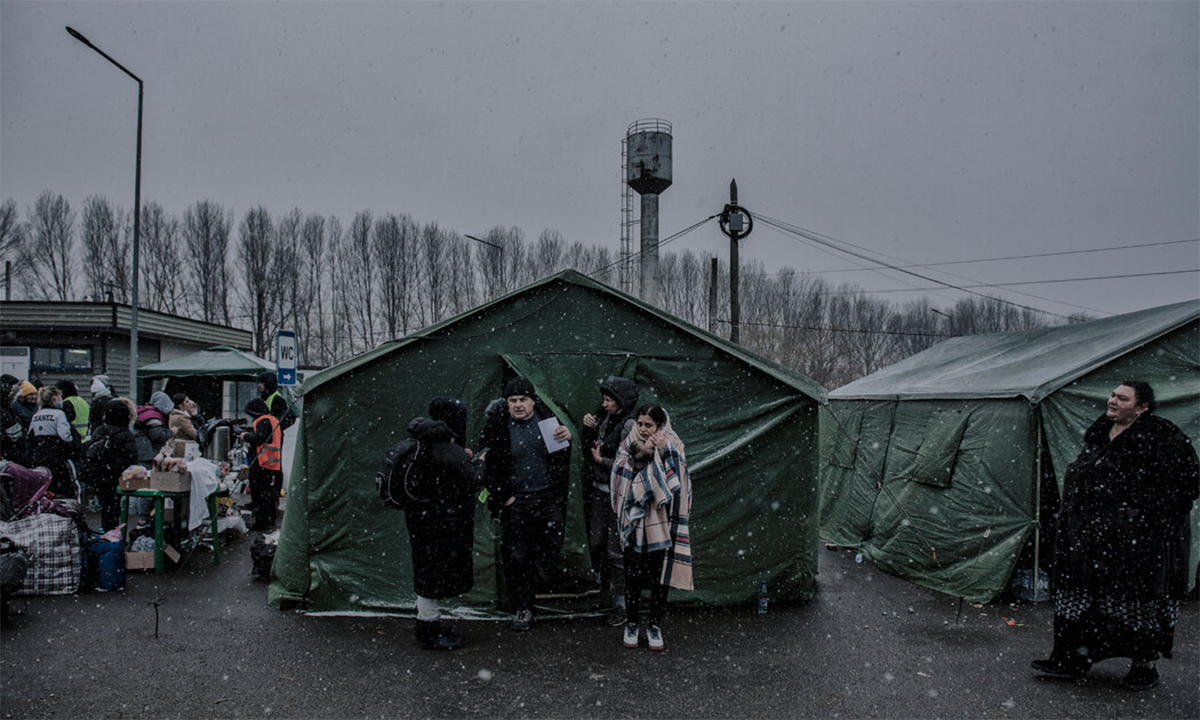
(964,539)
(854,444)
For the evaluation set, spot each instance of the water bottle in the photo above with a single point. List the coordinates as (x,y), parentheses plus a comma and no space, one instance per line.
(762,598)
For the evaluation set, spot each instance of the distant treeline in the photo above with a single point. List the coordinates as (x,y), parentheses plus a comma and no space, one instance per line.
(346,288)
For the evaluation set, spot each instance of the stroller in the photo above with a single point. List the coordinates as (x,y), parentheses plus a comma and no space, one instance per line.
(208,431)
(25,492)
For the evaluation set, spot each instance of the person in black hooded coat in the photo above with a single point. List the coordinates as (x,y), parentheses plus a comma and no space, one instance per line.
(441,517)
(602,434)
(1122,541)
(115,449)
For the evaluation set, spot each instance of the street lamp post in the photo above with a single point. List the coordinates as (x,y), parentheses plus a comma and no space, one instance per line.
(137,219)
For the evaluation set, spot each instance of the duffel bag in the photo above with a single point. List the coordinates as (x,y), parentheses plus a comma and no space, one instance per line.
(55,555)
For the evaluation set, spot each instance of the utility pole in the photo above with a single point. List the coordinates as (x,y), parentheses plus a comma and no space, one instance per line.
(737,223)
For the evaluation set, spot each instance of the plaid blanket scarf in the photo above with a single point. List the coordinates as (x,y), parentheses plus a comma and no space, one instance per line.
(652,496)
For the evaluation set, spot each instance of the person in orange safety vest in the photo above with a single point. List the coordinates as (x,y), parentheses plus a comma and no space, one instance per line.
(264,442)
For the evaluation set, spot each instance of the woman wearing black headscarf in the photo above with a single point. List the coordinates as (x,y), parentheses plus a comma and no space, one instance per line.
(1123,536)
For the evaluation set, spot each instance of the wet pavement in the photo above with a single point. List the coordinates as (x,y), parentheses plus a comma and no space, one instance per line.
(868,646)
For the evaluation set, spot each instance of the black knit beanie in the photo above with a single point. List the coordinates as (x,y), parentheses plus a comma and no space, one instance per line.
(519,386)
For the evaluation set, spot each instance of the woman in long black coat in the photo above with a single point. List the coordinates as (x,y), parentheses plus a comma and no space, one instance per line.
(441,518)
(1123,536)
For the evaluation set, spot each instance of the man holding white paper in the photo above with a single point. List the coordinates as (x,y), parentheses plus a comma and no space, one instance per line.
(527,464)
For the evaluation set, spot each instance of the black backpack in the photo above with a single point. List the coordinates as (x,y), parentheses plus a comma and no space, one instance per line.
(95,456)
(399,478)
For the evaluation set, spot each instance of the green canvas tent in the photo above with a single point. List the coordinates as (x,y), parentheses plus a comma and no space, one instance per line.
(940,467)
(220,361)
(750,428)
(202,375)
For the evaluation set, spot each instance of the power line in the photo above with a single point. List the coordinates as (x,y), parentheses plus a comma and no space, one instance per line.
(637,254)
(814,238)
(784,326)
(1027,282)
(961,277)
(1030,256)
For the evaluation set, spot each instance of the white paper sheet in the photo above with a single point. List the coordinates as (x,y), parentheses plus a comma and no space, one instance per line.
(548,426)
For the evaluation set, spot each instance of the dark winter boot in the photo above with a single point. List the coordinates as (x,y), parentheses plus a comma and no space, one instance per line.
(1069,659)
(433,636)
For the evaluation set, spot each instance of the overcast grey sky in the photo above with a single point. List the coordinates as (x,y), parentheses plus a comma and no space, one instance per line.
(929,132)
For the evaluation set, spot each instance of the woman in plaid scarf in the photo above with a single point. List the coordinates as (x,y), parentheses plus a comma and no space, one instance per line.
(652,497)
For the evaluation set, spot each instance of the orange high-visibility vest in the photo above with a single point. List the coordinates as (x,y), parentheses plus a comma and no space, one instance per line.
(270,452)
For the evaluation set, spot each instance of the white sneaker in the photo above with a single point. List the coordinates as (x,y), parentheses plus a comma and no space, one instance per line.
(654,637)
(631,635)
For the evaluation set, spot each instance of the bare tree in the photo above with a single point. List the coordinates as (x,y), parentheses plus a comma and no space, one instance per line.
(388,251)
(162,276)
(100,235)
(359,282)
(461,282)
(490,263)
(310,299)
(916,325)
(255,252)
(343,341)
(287,269)
(548,254)
(50,248)
(11,238)
(206,230)
(433,281)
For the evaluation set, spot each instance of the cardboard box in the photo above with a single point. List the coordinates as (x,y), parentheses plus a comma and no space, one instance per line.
(170,481)
(134,483)
(139,560)
(178,448)
(145,560)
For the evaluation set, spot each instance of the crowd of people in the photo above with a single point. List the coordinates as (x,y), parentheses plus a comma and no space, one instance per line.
(1121,553)
(87,444)
(637,495)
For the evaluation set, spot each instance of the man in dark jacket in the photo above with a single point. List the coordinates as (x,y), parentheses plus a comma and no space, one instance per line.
(440,515)
(268,390)
(1122,542)
(76,408)
(265,443)
(527,486)
(111,449)
(602,434)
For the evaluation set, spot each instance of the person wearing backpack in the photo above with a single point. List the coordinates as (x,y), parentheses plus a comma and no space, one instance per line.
(54,444)
(437,484)
(111,450)
(265,443)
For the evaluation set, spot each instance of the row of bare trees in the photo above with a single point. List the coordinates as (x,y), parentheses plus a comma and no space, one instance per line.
(347,289)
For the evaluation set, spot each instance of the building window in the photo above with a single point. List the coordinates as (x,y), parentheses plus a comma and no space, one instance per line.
(61,359)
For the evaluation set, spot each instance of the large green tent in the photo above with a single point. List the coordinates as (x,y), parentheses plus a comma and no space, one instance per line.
(750,427)
(946,467)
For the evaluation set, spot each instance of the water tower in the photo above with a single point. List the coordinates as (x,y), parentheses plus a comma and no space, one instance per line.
(647,153)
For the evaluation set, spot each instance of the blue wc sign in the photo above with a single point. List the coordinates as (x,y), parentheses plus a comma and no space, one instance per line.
(286,355)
